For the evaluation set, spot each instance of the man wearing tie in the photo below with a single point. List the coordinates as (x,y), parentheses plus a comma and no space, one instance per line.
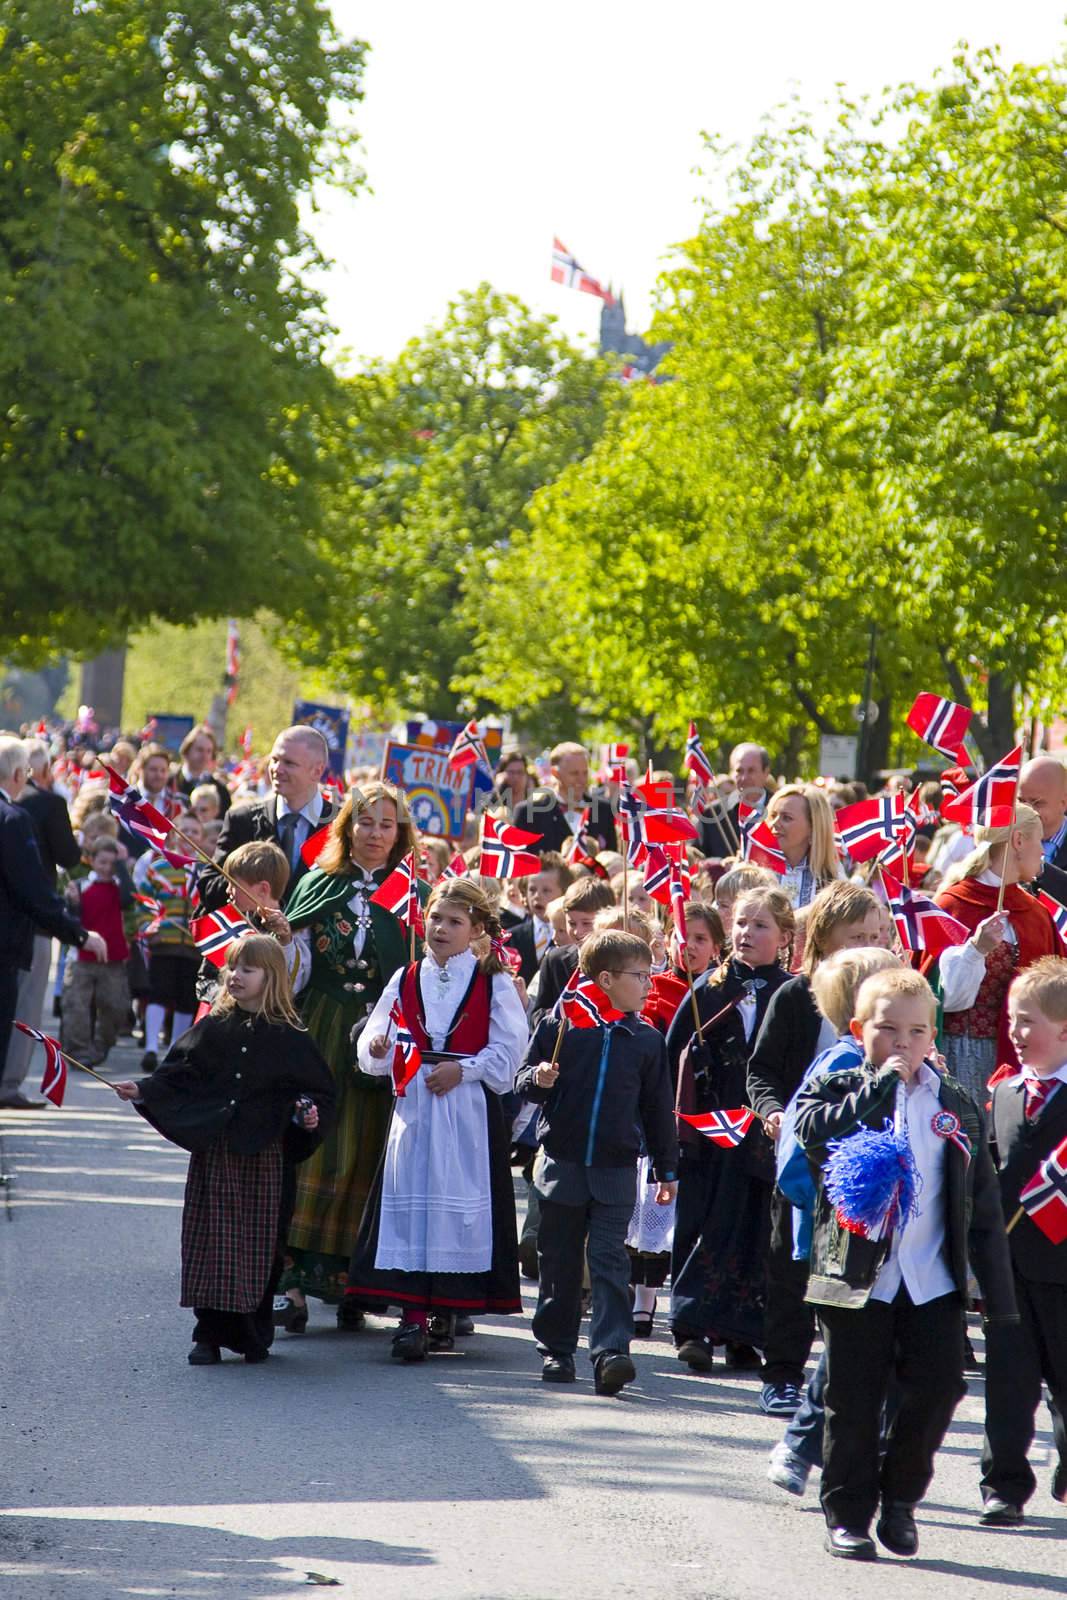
(294,811)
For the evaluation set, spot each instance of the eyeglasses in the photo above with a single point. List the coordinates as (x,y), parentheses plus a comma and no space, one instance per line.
(642,977)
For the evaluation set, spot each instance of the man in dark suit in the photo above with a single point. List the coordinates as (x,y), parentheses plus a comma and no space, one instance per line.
(750,773)
(1043,787)
(556,813)
(59,848)
(289,816)
(27,901)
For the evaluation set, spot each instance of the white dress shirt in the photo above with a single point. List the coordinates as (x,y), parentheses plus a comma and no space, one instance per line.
(917,1255)
(962,966)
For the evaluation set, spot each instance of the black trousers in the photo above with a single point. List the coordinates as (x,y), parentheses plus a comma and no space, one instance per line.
(923,1347)
(565,1235)
(1018,1356)
(9,988)
(788,1322)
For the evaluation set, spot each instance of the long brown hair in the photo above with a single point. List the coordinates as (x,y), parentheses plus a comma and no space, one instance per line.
(838,905)
(466,896)
(262,951)
(336,854)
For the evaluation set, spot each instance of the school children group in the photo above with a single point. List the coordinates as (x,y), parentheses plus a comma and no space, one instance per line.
(313,1176)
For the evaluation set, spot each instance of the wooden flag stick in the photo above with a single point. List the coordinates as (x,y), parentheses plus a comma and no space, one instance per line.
(411,942)
(559,1041)
(1019,1215)
(1007,843)
(626,893)
(697,1024)
(83,1068)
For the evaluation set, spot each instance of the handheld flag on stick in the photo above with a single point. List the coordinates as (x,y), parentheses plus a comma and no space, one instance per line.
(584,1004)
(457,867)
(573,847)
(990,801)
(139,816)
(678,899)
(54,1082)
(871,825)
(941,723)
(725,1128)
(503,850)
(407,1057)
(920,922)
(1057,912)
(695,759)
(214,933)
(897,857)
(1044,1199)
(400,895)
(759,843)
(468,750)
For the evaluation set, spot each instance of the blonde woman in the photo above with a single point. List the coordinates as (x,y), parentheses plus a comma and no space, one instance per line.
(802,820)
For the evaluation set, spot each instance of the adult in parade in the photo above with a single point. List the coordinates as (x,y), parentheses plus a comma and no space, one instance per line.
(295,809)
(750,774)
(974,977)
(199,754)
(802,820)
(352,947)
(1043,787)
(556,813)
(27,903)
(513,781)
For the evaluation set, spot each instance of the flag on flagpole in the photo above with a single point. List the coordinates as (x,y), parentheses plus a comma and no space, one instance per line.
(407,1057)
(921,923)
(468,750)
(1057,912)
(54,1082)
(567,271)
(725,1128)
(214,933)
(139,816)
(990,801)
(1044,1198)
(695,759)
(869,826)
(504,853)
(233,659)
(631,814)
(941,723)
(400,894)
(897,857)
(584,1003)
(759,843)
(678,899)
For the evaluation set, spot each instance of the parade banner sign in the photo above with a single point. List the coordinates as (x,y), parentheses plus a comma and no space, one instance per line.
(332,723)
(168,729)
(442,736)
(439,797)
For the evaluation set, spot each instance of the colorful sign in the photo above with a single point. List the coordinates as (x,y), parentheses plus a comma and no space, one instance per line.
(332,723)
(168,730)
(439,797)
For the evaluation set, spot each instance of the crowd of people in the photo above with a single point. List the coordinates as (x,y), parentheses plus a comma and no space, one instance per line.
(362,1091)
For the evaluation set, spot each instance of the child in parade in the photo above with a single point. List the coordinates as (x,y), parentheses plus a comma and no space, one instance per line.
(261,876)
(733,883)
(606,1089)
(96,997)
(581,902)
(438,1236)
(891,1301)
(173,960)
(723,1217)
(247,1093)
(1029,1122)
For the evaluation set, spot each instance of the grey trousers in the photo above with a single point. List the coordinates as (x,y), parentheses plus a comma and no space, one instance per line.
(567,1234)
(28,1006)
(86,982)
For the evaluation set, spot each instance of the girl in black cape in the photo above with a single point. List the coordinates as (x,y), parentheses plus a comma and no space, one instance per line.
(248,1094)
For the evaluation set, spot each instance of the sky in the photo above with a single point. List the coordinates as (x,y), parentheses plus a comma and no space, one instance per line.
(489,126)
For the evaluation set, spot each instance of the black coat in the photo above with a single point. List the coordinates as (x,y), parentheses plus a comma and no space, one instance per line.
(598,1107)
(237,1075)
(556,971)
(51,823)
(844,1265)
(28,903)
(186,786)
(1053,879)
(544,813)
(785,1047)
(521,939)
(1020,1147)
(241,824)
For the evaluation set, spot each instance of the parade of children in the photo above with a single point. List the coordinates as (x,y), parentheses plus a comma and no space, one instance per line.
(760,1088)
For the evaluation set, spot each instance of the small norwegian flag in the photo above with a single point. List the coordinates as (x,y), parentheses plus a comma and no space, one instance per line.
(759,843)
(678,899)
(953,782)
(897,857)
(921,924)
(503,850)
(54,1082)
(407,1057)
(658,875)
(615,762)
(1044,1198)
(868,827)
(584,1003)
(573,847)
(567,270)
(400,894)
(468,750)
(1057,912)
(941,723)
(989,802)
(631,821)
(726,1128)
(139,816)
(457,867)
(695,759)
(214,933)
(246,741)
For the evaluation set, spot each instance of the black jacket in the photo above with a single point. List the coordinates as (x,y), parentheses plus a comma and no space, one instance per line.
(601,1102)
(28,903)
(241,824)
(51,823)
(785,1047)
(1020,1147)
(844,1265)
(544,813)
(1053,879)
(521,939)
(186,786)
(237,1075)
(556,970)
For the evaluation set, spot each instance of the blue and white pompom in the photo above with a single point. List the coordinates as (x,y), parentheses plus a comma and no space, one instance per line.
(872,1181)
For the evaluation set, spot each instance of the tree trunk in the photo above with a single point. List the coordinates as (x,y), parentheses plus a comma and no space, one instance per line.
(999,733)
(876,753)
(102,681)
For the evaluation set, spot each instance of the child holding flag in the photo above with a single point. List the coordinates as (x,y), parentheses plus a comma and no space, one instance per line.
(602,1083)
(438,1236)
(1029,1128)
(248,1094)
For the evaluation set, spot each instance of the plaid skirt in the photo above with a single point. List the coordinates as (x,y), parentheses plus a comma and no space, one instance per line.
(230,1226)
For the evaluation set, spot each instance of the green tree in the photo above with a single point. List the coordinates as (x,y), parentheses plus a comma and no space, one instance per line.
(436,456)
(161,365)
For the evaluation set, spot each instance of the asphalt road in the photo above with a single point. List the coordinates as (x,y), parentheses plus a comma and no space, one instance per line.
(125,1472)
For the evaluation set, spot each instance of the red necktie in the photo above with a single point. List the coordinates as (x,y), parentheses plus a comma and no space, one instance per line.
(1037,1092)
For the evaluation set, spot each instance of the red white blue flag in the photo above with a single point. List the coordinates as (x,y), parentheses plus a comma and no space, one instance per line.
(941,723)
(897,857)
(679,894)
(214,933)
(468,750)
(725,1128)
(695,759)
(504,853)
(567,270)
(1044,1198)
(54,1082)
(400,894)
(1057,912)
(139,816)
(407,1057)
(584,1003)
(759,843)
(869,826)
(921,923)
(990,801)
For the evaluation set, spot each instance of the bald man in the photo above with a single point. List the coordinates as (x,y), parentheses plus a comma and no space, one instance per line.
(294,810)
(1043,786)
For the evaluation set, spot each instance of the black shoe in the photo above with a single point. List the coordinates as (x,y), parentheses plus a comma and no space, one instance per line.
(643,1321)
(742,1358)
(971,1362)
(204,1355)
(410,1342)
(612,1371)
(57,1005)
(441,1331)
(290,1316)
(558,1369)
(464,1327)
(1059,1484)
(528,1258)
(350,1319)
(19,1102)
(851,1544)
(255,1356)
(896,1528)
(149,1061)
(698,1354)
(998,1513)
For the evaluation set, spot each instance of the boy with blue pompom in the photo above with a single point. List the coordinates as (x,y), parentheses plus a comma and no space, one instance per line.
(891,1298)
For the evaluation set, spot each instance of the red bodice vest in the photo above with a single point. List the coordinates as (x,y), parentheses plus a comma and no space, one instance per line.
(469,1030)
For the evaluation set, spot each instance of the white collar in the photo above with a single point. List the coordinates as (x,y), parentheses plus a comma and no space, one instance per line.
(311,812)
(990,878)
(7,797)
(929,1078)
(457,966)
(1059,1076)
